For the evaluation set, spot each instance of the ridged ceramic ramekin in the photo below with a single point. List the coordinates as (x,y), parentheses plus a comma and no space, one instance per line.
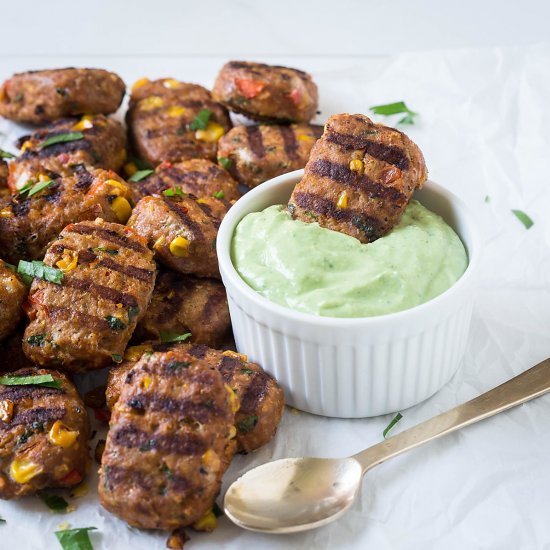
(356,367)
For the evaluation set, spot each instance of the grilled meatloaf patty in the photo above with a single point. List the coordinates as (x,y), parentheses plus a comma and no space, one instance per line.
(181,304)
(43,436)
(181,231)
(359,178)
(42,96)
(261,399)
(161,121)
(266,92)
(169,443)
(103,145)
(200,177)
(4,189)
(259,153)
(87,319)
(29,223)
(12,294)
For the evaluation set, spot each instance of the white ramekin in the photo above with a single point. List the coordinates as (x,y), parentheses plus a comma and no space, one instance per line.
(357,367)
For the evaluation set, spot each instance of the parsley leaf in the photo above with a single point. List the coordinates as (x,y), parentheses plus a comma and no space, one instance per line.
(39,270)
(173,192)
(248,424)
(394,109)
(36,339)
(54,502)
(6,155)
(75,539)
(140,175)
(219,195)
(167,337)
(394,421)
(45,380)
(225,162)
(523,218)
(115,323)
(201,120)
(61,138)
(116,357)
(34,188)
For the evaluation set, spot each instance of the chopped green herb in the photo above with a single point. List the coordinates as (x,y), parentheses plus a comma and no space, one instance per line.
(148,446)
(33,188)
(61,138)
(141,164)
(523,218)
(219,195)
(75,539)
(173,192)
(225,162)
(116,357)
(54,502)
(18,97)
(10,266)
(140,175)
(45,380)
(216,510)
(111,251)
(248,424)
(115,323)
(487,198)
(179,365)
(6,155)
(168,337)
(247,370)
(201,120)
(132,312)
(36,340)
(394,421)
(39,270)
(394,109)
(167,472)
(37,426)
(62,92)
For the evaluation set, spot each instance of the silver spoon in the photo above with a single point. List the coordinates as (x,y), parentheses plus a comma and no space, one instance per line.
(297,494)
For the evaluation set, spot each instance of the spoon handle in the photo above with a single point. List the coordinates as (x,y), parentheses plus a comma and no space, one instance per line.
(528,385)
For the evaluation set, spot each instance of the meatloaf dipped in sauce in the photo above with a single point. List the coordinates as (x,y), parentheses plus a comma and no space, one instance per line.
(199,177)
(169,443)
(182,231)
(359,178)
(261,400)
(29,222)
(43,435)
(266,92)
(43,96)
(174,121)
(183,303)
(12,294)
(86,319)
(93,141)
(254,154)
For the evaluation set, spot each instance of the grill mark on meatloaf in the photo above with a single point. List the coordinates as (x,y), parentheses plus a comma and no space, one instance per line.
(151,185)
(118,476)
(106,235)
(183,177)
(205,208)
(320,205)
(56,149)
(255,140)
(84,179)
(15,393)
(245,65)
(182,445)
(198,350)
(388,153)
(344,175)
(290,142)
(254,393)
(192,225)
(212,304)
(84,319)
(186,407)
(139,273)
(108,293)
(39,414)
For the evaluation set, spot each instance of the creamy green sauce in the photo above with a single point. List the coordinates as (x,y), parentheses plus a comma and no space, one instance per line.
(315,270)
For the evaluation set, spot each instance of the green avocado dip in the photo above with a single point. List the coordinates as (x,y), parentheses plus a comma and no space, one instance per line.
(315,270)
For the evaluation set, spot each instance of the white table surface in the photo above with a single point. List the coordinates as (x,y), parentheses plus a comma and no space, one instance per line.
(485,131)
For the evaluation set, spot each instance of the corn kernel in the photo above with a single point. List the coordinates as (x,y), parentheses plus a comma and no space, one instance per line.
(202,201)
(158,243)
(26,145)
(211,134)
(69,261)
(342,200)
(23,470)
(357,165)
(139,83)
(85,123)
(171,83)
(210,459)
(151,102)
(43,177)
(241,356)
(119,187)
(179,247)
(130,168)
(232,432)
(146,382)
(134,353)
(175,111)
(207,523)
(305,137)
(122,209)
(233,399)
(6,213)
(6,410)
(60,435)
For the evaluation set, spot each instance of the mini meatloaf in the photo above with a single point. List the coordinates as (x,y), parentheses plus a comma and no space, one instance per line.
(94,141)
(266,92)
(261,400)
(29,223)
(258,153)
(181,304)
(359,178)
(43,435)
(87,319)
(182,231)
(4,189)
(43,96)
(12,294)
(199,177)
(169,443)
(171,120)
